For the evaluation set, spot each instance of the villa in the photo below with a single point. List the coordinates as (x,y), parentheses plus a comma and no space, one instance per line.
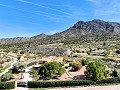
(51,59)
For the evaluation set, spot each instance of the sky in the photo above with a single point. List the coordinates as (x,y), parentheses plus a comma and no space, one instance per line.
(26,18)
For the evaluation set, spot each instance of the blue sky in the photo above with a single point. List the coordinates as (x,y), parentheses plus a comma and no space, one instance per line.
(24,18)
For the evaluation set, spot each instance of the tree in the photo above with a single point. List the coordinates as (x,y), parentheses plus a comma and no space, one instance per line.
(18,58)
(18,67)
(84,62)
(6,77)
(51,69)
(118,51)
(22,52)
(96,70)
(76,66)
(21,69)
(34,72)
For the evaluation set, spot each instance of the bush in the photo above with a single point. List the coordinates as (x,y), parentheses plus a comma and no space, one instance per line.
(4,68)
(32,63)
(109,80)
(76,66)
(6,77)
(7,85)
(84,62)
(1,62)
(33,84)
(22,52)
(118,51)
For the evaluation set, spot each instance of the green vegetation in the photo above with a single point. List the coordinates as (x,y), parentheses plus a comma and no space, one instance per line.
(118,51)
(4,68)
(6,77)
(32,63)
(109,80)
(49,70)
(76,66)
(21,69)
(84,62)
(96,71)
(18,67)
(34,74)
(18,58)
(44,84)
(7,85)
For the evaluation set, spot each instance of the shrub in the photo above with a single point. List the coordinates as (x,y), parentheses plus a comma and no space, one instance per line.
(4,68)
(17,66)
(109,80)
(22,52)
(32,63)
(7,85)
(84,62)
(76,66)
(6,77)
(118,51)
(34,72)
(1,62)
(33,84)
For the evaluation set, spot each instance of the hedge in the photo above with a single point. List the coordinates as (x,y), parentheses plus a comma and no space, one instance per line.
(109,80)
(7,85)
(45,84)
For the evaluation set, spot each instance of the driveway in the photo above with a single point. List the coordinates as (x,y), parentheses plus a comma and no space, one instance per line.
(78,74)
(26,74)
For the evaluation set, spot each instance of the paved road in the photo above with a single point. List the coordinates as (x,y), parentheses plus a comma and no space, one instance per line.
(113,87)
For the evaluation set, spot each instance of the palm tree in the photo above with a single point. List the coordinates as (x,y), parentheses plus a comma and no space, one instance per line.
(21,69)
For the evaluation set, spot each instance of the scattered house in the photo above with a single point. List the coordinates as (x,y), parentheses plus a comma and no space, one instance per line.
(118,55)
(98,53)
(2,54)
(84,50)
(51,59)
(76,60)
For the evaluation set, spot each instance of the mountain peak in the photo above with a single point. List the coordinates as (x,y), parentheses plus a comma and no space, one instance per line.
(40,36)
(95,30)
(97,20)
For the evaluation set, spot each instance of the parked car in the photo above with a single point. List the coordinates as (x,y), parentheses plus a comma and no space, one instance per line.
(21,84)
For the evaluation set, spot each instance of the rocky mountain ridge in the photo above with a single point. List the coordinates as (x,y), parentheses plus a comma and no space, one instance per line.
(81,31)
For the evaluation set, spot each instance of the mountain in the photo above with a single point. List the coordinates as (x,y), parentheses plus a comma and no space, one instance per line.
(21,39)
(42,35)
(95,30)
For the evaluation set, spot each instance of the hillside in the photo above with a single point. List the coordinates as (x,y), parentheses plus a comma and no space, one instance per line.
(95,30)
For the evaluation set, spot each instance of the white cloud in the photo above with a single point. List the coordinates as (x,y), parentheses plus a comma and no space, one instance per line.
(43,6)
(107,10)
